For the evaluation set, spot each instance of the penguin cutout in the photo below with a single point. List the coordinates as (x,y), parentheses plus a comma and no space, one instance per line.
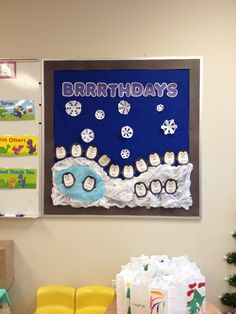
(169,158)
(141,165)
(60,152)
(140,189)
(128,172)
(76,150)
(114,171)
(154,159)
(104,161)
(155,187)
(183,158)
(68,180)
(91,152)
(89,184)
(171,186)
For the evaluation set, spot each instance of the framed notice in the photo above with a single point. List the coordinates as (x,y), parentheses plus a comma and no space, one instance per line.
(122,137)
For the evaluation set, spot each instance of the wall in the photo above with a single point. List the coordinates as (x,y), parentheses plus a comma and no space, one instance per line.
(79,251)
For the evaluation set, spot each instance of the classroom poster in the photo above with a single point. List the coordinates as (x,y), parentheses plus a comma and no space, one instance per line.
(18,178)
(15,145)
(121,136)
(17,110)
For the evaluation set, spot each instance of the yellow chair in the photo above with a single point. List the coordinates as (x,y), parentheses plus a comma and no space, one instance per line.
(94,299)
(55,300)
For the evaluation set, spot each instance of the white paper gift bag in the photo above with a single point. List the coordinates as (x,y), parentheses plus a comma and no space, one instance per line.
(160,286)
(188,296)
(123,302)
(177,298)
(139,299)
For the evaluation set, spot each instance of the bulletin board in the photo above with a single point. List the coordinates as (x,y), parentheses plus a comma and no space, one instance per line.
(122,137)
(20,137)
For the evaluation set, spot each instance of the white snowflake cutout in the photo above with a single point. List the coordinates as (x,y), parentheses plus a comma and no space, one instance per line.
(87,135)
(100,114)
(127,131)
(125,153)
(124,107)
(169,127)
(73,108)
(160,107)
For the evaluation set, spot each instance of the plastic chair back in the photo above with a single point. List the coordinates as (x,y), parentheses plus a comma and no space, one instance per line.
(94,299)
(55,299)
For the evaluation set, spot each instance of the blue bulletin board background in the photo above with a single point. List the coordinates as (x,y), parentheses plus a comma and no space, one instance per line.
(143,117)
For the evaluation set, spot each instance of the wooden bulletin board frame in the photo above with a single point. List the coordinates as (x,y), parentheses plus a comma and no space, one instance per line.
(194,66)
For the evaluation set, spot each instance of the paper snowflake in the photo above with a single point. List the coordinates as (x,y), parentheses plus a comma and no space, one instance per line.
(87,135)
(127,131)
(124,107)
(125,153)
(100,114)
(160,108)
(169,127)
(73,108)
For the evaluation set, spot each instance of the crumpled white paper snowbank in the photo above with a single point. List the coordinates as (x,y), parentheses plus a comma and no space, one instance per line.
(120,192)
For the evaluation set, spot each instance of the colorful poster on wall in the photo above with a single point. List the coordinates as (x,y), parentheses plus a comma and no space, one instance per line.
(17,110)
(18,178)
(121,134)
(15,145)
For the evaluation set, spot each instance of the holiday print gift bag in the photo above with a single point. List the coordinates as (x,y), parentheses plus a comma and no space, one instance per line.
(196,296)
(187,297)
(122,295)
(158,301)
(161,286)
